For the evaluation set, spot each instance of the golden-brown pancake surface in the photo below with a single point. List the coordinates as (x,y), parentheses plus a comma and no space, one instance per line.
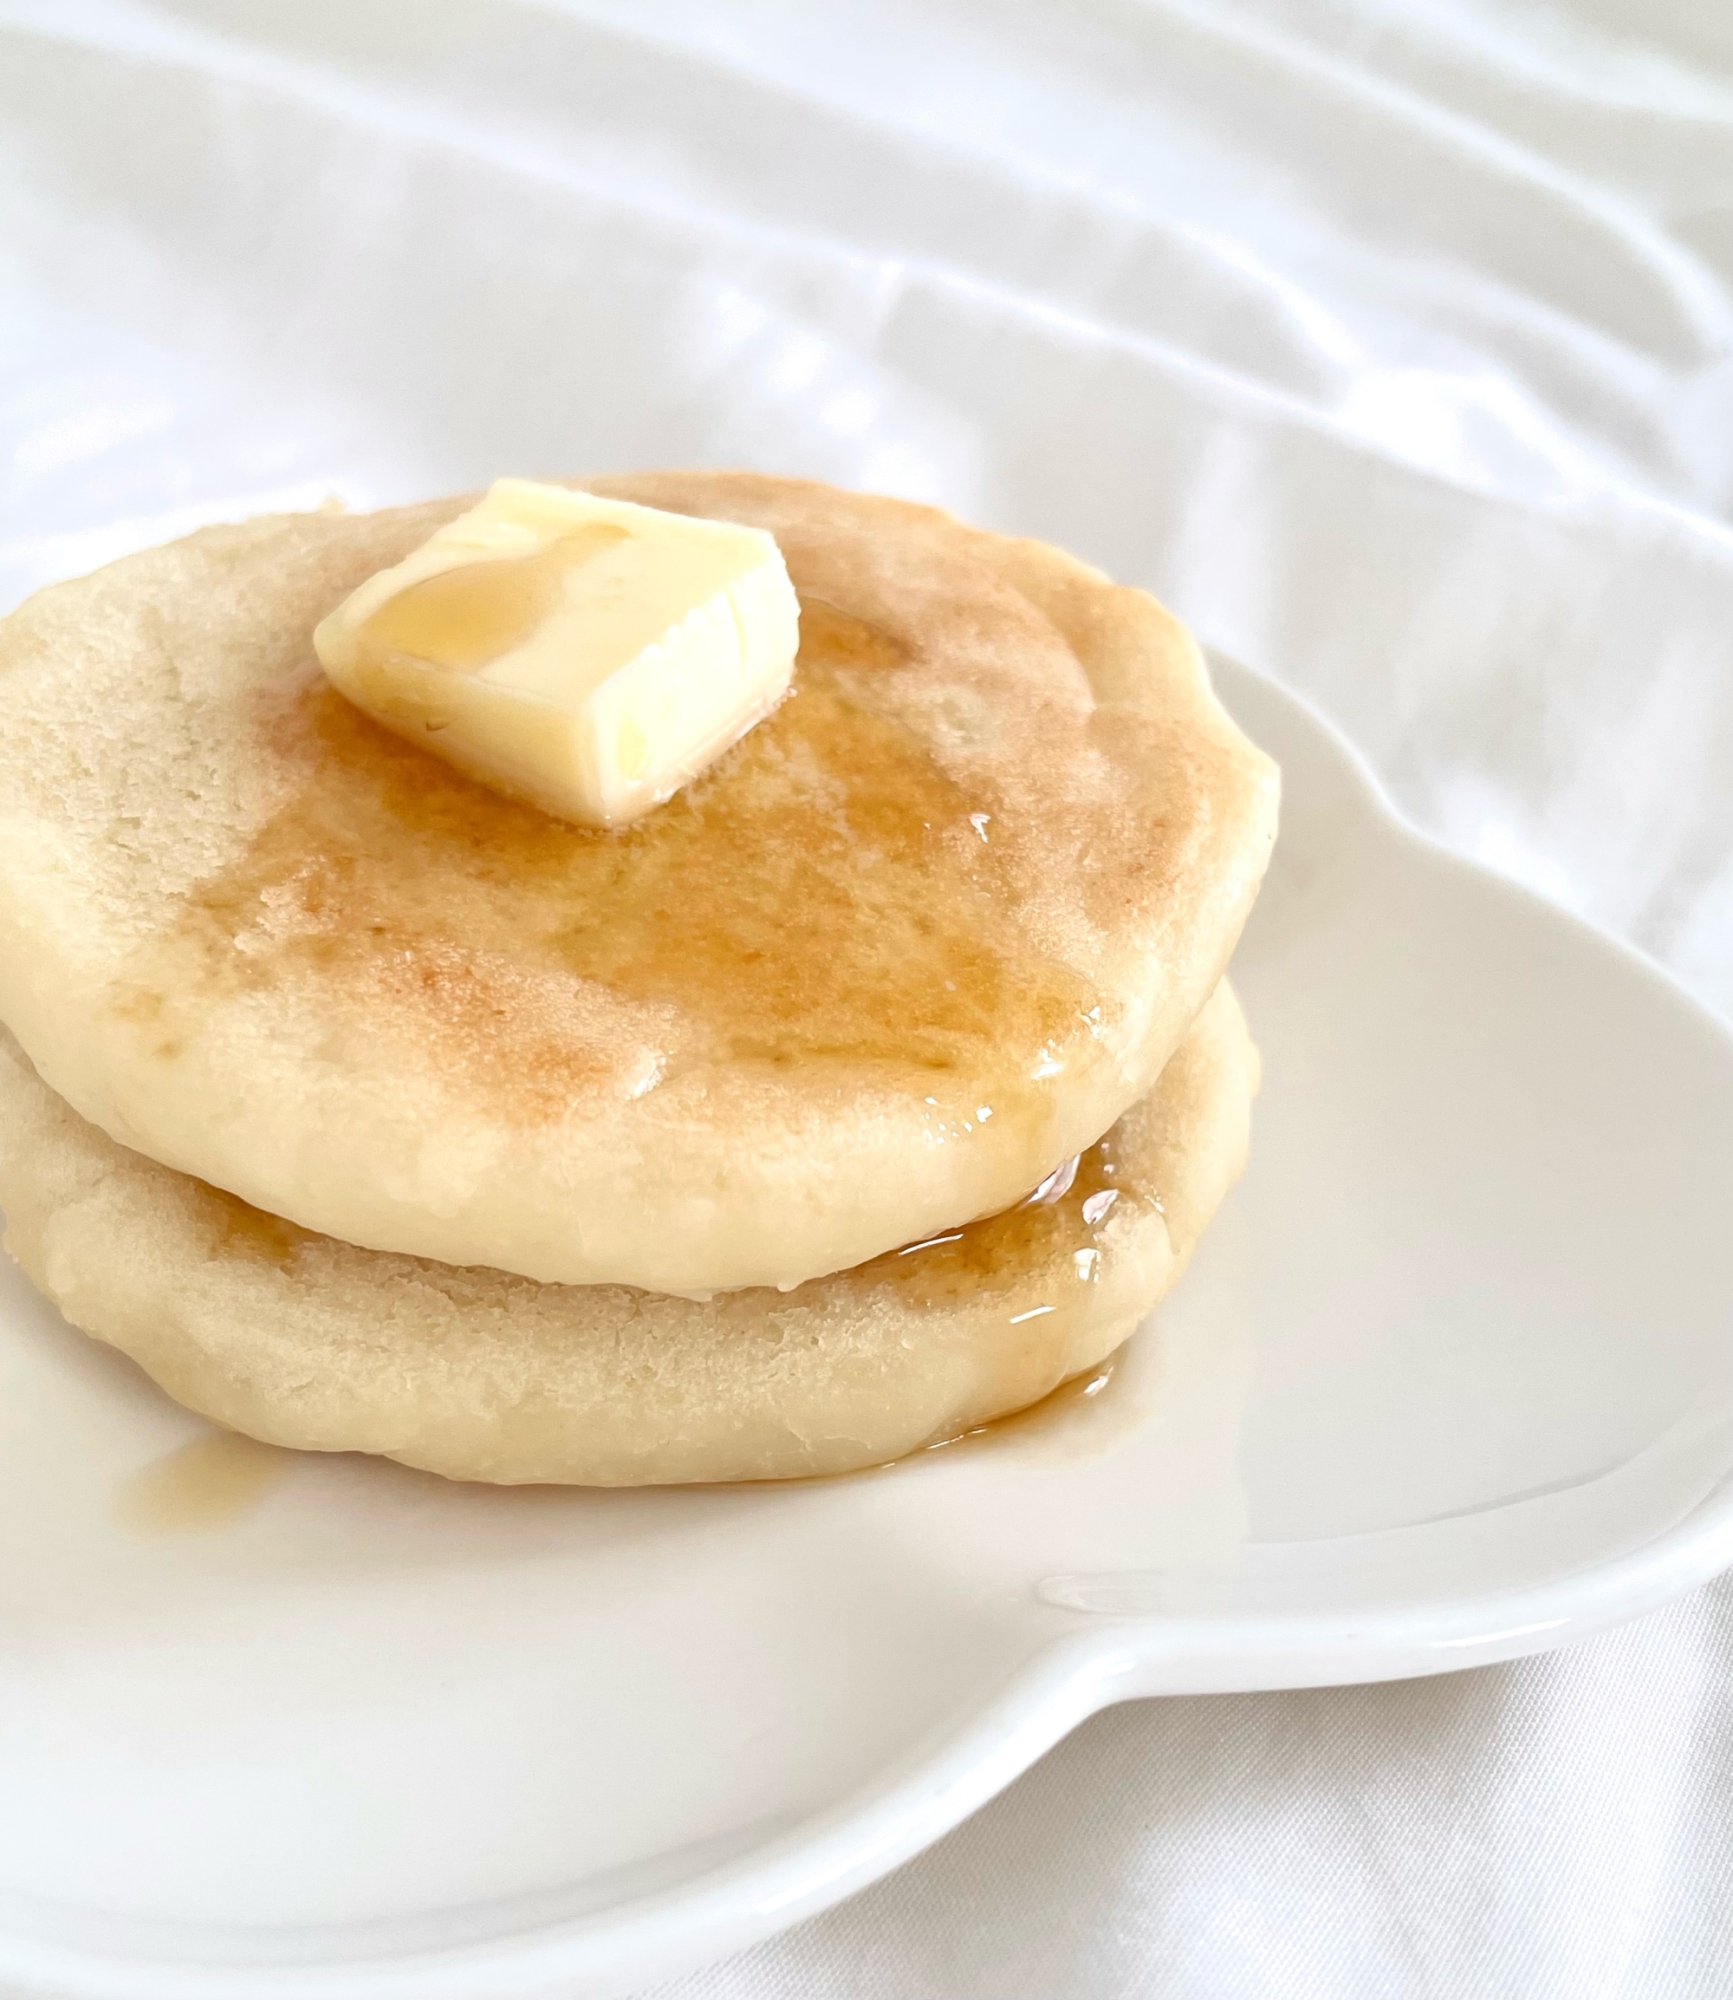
(934,925)
(305,1341)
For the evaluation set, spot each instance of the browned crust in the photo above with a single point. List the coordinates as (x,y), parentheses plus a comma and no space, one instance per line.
(304,1341)
(403,1061)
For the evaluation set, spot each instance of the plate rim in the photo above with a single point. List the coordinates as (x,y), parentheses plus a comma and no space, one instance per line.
(959,1766)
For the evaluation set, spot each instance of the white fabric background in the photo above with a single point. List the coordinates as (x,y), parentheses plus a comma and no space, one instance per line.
(1392,343)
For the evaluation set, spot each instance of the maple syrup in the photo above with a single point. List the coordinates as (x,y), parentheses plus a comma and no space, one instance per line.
(207,1483)
(820,904)
(1059,1228)
(1060,1407)
(467,617)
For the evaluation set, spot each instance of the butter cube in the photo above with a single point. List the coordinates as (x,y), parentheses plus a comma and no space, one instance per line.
(588,656)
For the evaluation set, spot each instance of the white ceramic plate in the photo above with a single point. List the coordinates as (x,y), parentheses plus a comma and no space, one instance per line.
(1451,1380)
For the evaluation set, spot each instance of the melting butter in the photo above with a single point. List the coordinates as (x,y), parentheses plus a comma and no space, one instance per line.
(587,656)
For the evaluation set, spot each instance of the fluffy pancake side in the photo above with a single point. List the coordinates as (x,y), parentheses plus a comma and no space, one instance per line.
(305,1341)
(934,925)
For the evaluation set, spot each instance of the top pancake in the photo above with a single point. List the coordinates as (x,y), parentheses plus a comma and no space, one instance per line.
(928,930)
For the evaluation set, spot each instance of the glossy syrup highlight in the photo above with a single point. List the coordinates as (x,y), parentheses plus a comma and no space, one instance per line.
(1067,1409)
(1060,1230)
(467,617)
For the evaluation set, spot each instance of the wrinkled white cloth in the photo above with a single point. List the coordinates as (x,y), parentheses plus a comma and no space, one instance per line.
(1391,341)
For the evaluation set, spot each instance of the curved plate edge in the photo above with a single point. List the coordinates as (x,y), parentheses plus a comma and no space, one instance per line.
(940,1782)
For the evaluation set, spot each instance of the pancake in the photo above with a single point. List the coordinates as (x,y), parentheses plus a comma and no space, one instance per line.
(476,1374)
(934,925)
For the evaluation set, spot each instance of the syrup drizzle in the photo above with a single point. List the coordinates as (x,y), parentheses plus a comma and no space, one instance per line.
(210,1482)
(819,903)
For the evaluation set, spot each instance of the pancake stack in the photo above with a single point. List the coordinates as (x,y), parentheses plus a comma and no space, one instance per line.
(877,1083)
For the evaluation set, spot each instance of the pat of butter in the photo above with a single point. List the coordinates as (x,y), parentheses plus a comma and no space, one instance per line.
(587,655)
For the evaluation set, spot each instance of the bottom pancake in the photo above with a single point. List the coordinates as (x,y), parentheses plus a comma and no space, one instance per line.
(305,1341)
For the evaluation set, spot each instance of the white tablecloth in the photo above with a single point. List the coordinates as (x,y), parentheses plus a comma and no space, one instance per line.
(1392,343)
